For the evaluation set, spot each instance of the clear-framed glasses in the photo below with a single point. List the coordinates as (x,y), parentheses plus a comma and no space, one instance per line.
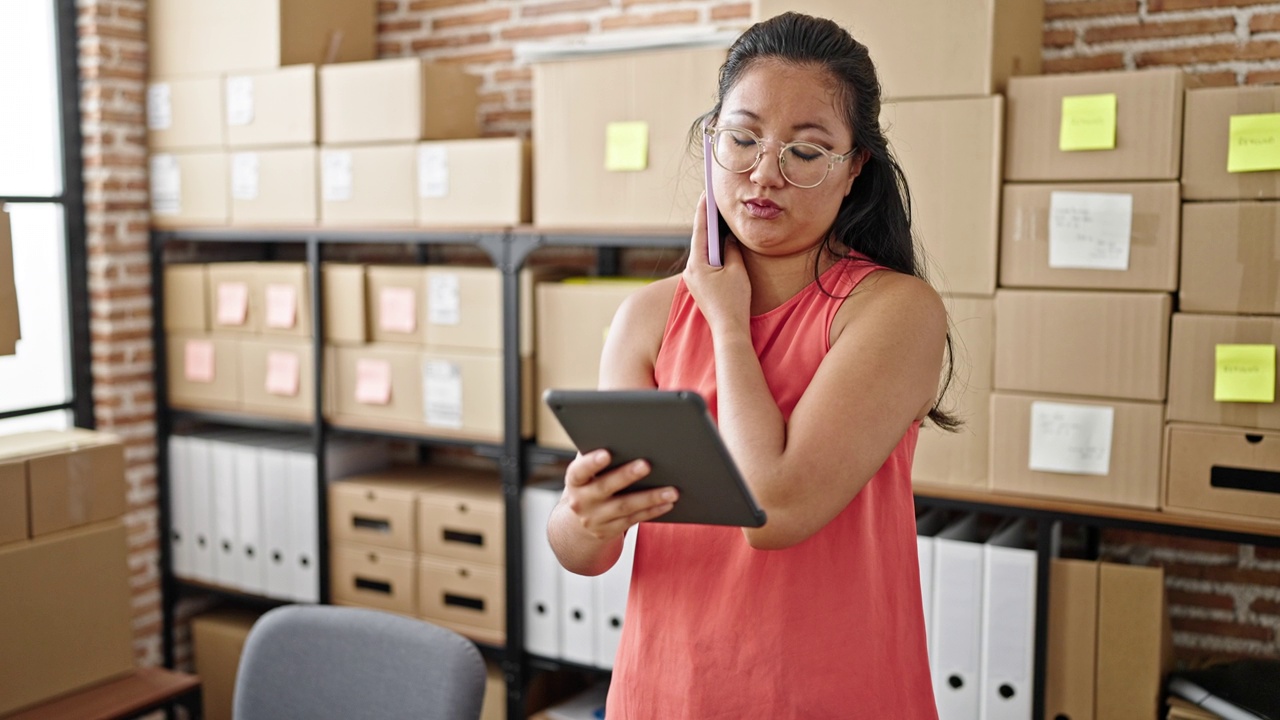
(803,164)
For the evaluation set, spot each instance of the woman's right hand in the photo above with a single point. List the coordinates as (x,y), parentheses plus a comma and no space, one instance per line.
(591,496)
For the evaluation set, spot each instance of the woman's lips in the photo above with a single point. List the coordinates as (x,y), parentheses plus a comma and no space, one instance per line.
(763,209)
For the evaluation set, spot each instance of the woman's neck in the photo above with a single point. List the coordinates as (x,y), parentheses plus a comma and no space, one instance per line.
(775,280)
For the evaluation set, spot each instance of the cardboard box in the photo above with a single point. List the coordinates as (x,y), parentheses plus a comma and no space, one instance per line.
(185,297)
(217,640)
(1222,472)
(233,305)
(578,102)
(1099,344)
(10,327)
(475,183)
(462,518)
(1135,649)
(268,108)
(282,292)
(185,114)
(469,598)
(1194,374)
(1207,152)
(344,307)
(961,458)
(72,478)
(1230,258)
(71,625)
(189,189)
(573,318)
(1147,122)
(378,509)
(1071,656)
(397,301)
(1091,236)
(367,186)
(274,187)
(925,49)
(374,577)
(464,395)
(204,371)
(376,386)
(400,100)
(950,152)
(277,378)
(494,704)
(1066,439)
(193,38)
(13,502)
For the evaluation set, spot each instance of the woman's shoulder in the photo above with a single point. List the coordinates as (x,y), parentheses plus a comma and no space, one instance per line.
(646,309)
(894,297)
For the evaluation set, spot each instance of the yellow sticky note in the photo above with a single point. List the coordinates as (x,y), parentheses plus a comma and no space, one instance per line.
(1255,143)
(1245,373)
(626,146)
(1088,123)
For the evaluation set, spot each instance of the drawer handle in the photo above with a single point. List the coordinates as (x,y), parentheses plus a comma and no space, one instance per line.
(377,586)
(463,601)
(464,537)
(1264,481)
(373,524)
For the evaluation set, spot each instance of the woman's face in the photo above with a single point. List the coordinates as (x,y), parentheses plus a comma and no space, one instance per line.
(781,103)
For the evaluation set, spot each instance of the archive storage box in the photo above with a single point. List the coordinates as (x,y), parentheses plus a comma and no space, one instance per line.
(274,187)
(234,306)
(1230,258)
(401,100)
(277,378)
(185,114)
(344,308)
(1223,472)
(189,189)
(203,371)
(271,108)
(368,185)
(475,183)
(1222,370)
(185,290)
(1231,134)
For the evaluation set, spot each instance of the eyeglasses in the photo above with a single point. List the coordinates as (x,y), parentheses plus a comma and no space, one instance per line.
(803,164)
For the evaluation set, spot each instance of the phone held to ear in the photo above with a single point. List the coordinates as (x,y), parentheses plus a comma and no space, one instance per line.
(716,229)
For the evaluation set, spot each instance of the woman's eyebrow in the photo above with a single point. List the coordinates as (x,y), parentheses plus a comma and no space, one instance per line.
(797,127)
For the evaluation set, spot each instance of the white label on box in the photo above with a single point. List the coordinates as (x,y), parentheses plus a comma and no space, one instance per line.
(244,176)
(166,185)
(1090,231)
(159,106)
(443,304)
(433,171)
(442,393)
(239,100)
(335,172)
(1073,439)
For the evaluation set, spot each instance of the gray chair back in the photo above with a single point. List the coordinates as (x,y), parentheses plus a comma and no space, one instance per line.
(323,662)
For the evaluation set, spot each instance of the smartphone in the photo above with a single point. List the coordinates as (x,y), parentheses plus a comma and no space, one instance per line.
(716,227)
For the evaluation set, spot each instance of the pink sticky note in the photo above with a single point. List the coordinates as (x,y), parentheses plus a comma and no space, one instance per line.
(283,373)
(198,361)
(282,306)
(397,310)
(233,303)
(373,382)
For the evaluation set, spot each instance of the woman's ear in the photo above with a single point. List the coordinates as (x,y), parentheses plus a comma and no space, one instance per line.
(855,168)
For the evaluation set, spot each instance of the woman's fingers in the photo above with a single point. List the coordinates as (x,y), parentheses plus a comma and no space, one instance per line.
(583,468)
(698,242)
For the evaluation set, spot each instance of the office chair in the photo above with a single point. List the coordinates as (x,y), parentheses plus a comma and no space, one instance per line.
(344,663)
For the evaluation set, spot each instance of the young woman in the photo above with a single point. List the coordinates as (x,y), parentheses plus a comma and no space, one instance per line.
(818,348)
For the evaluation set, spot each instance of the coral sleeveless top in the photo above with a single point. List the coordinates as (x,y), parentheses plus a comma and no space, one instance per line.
(830,628)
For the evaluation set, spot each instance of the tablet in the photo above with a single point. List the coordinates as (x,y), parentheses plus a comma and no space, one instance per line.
(675,433)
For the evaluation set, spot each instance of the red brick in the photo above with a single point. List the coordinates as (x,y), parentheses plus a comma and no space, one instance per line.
(562,6)
(1266,552)
(388,48)
(1224,629)
(399,26)
(1085,63)
(1089,8)
(737,11)
(1212,601)
(448,41)
(484,17)
(508,116)
(1263,606)
(1174,5)
(504,55)
(1223,573)
(1264,22)
(669,17)
(1172,542)
(387,7)
(1263,77)
(514,75)
(523,31)
(420,5)
(1145,30)
(1059,38)
(1217,52)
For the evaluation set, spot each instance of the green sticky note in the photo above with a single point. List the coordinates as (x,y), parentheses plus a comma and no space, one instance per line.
(1088,123)
(626,146)
(1255,143)
(1245,373)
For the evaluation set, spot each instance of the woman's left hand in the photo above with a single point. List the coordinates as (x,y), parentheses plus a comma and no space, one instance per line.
(723,294)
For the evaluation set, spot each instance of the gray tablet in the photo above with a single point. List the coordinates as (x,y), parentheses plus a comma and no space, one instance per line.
(675,433)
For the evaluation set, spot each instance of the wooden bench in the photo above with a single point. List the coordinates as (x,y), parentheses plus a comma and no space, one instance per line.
(143,691)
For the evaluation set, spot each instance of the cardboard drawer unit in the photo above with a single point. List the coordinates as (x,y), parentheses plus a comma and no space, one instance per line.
(463,519)
(1222,472)
(379,509)
(467,597)
(370,576)
(1222,370)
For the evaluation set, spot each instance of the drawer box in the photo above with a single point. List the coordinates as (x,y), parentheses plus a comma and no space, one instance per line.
(467,597)
(462,519)
(1222,471)
(373,577)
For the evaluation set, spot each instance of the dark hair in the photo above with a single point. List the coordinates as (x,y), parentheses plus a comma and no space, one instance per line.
(875,217)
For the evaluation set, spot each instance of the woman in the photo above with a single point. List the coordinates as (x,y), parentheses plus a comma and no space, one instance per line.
(819,386)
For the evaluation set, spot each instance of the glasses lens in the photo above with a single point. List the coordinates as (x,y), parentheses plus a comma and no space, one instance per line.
(804,164)
(735,149)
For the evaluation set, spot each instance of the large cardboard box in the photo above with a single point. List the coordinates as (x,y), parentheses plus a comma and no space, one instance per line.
(1230,258)
(274,187)
(397,300)
(369,185)
(1135,648)
(185,114)
(475,183)
(282,292)
(400,100)
(1091,236)
(1196,376)
(194,38)
(645,101)
(10,330)
(464,395)
(1222,472)
(1207,156)
(1146,120)
(204,371)
(950,152)
(233,305)
(462,518)
(469,598)
(925,49)
(1072,643)
(573,318)
(185,297)
(1100,344)
(13,502)
(73,478)
(1077,449)
(464,308)
(961,458)
(344,307)
(269,108)
(70,624)
(217,641)
(189,189)
(376,577)
(277,378)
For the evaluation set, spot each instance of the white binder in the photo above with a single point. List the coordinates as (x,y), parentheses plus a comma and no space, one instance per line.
(222,484)
(304,527)
(611,602)
(181,537)
(577,618)
(541,571)
(957,619)
(276,537)
(201,509)
(249,524)
(928,525)
(1008,623)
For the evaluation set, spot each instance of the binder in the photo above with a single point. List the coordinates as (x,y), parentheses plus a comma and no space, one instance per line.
(928,524)
(249,525)
(181,538)
(276,536)
(577,618)
(304,527)
(1008,624)
(222,485)
(611,603)
(541,571)
(957,619)
(201,506)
